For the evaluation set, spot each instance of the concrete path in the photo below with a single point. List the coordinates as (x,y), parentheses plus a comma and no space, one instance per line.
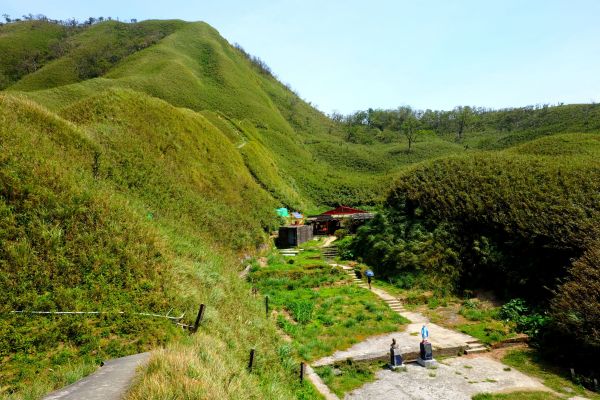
(454,379)
(328,241)
(110,382)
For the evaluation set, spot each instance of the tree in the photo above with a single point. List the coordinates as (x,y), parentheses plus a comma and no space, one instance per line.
(7,18)
(410,128)
(464,116)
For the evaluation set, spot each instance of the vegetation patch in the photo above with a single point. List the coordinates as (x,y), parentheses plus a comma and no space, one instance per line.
(326,316)
(557,378)
(345,376)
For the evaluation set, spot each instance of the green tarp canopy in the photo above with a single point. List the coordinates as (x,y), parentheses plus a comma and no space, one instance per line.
(283,212)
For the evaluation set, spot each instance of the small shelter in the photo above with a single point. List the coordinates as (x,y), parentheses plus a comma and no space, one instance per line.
(342,217)
(293,235)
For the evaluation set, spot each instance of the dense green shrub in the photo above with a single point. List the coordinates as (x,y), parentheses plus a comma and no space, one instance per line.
(404,248)
(575,310)
(526,319)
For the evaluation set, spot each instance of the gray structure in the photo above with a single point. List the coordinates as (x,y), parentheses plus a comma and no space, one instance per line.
(293,235)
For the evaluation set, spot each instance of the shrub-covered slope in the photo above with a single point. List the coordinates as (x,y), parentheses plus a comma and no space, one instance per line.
(520,214)
(513,221)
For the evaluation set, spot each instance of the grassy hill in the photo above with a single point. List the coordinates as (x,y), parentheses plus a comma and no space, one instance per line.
(139,163)
(195,68)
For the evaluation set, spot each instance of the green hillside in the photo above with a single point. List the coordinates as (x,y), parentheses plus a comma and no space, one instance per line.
(197,69)
(515,222)
(140,162)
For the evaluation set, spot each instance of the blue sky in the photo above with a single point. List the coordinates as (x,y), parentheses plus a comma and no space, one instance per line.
(351,55)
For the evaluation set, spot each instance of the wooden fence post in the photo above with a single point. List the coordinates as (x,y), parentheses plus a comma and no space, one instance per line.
(267,306)
(302,367)
(251,361)
(198,318)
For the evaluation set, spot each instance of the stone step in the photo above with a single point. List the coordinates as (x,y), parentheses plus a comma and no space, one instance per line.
(474,345)
(476,350)
(474,341)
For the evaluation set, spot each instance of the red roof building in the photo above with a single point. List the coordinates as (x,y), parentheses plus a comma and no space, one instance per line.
(338,218)
(343,210)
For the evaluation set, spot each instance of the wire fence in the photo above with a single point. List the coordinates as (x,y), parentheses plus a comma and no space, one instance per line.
(174,319)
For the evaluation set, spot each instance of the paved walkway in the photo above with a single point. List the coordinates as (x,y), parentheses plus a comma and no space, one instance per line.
(110,382)
(455,379)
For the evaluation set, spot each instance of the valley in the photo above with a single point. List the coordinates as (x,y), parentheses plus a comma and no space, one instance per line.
(141,165)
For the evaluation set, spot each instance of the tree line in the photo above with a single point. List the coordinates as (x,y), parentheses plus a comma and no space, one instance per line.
(388,125)
(71,22)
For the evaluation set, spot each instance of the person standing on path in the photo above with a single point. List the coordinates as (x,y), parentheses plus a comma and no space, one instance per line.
(370,275)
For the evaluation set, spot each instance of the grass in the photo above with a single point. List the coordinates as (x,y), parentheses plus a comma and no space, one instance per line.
(487,332)
(343,377)
(317,308)
(484,323)
(554,377)
(340,317)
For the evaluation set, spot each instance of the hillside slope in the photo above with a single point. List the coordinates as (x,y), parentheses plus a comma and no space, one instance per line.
(119,218)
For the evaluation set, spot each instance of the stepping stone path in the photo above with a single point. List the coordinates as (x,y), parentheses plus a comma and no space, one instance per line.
(377,347)
(289,252)
(330,252)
